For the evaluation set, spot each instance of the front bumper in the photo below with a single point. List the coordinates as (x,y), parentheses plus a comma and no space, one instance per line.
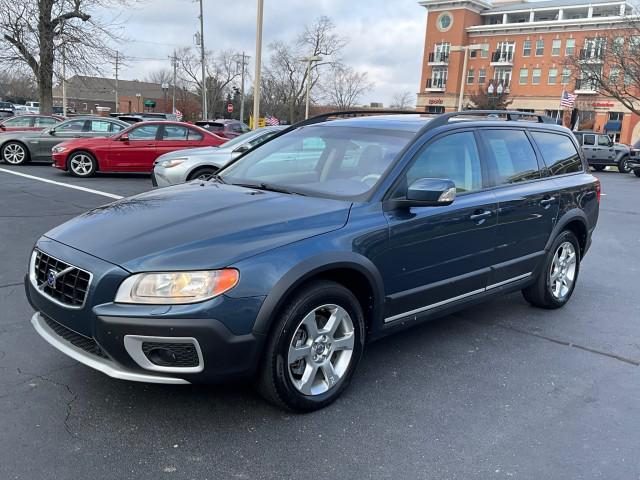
(110,337)
(165,177)
(59,160)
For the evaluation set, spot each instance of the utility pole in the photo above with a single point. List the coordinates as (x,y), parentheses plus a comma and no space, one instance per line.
(175,62)
(204,75)
(117,98)
(258,67)
(64,81)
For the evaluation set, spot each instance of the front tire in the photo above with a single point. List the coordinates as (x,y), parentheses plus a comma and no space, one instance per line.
(623,165)
(204,174)
(636,172)
(314,348)
(557,279)
(82,164)
(15,153)
(598,168)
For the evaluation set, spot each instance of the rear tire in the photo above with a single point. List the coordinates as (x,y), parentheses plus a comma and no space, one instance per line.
(313,349)
(15,153)
(623,165)
(557,280)
(203,173)
(598,168)
(82,164)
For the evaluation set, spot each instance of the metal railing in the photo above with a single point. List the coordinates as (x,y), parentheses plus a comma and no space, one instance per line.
(439,57)
(501,56)
(436,83)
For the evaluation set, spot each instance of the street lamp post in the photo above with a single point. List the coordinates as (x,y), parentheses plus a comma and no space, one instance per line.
(465,49)
(258,67)
(138,96)
(204,74)
(309,61)
(165,90)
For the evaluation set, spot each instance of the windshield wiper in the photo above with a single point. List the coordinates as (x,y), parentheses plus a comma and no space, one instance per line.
(268,187)
(218,179)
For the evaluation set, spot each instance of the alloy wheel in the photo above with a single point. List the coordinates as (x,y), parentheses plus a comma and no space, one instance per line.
(14,154)
(81,165)
(562,273)
(321,350)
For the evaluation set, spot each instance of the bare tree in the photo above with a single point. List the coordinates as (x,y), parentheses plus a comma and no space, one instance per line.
(285,77)
(482,100)
(345,86)
(610,64)
(35,32)
(17,86)
(163,75)
(403,101)
(222,71)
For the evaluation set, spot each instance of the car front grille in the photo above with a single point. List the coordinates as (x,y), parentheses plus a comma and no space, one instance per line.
(87,344)
(69,285)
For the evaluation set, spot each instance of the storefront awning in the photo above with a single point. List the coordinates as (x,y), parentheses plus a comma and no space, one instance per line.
(613,126)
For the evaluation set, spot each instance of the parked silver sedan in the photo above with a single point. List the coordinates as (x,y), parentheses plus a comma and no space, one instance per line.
(201,163)
(17,148)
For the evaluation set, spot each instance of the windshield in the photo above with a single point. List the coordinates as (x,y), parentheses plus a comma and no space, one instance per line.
(331,161)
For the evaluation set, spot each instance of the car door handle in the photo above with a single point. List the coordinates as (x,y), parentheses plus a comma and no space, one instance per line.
(547,202)
(480,215)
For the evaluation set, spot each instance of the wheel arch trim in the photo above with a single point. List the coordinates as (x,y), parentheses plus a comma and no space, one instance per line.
(316,266)
(568,217)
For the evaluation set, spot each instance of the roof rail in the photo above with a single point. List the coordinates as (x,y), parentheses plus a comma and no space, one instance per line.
(353,113)
(511,115)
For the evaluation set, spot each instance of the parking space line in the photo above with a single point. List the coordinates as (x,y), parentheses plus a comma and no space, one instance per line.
(53,182)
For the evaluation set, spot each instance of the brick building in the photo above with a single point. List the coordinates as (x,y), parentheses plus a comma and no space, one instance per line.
(520,47)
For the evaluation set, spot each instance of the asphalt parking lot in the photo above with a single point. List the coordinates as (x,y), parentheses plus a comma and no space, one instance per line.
(502,390)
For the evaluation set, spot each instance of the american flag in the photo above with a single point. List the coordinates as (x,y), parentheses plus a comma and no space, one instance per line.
(568,100)
(271,121)
(178,114)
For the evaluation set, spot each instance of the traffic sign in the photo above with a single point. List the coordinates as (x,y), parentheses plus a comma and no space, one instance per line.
(229,107)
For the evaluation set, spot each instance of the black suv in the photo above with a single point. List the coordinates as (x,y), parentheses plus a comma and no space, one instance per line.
(332,233)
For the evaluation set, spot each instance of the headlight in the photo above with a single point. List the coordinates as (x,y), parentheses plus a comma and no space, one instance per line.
(172,163)
(58,149)
(174,288)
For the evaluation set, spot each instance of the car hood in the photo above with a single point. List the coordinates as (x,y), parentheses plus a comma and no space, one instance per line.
(199,225)
(189,152)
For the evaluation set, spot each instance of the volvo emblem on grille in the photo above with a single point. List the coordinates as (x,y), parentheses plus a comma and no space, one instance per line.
(52,277)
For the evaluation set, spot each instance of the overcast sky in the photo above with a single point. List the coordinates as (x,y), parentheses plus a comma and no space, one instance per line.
(385,36)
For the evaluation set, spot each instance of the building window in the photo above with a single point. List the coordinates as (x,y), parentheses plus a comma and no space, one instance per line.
(438,78)
(566,75)
(539,47)
(440,52)
(482,75)
(484,53)
(435,109)
(593,48)
(470,76)
(555,47)
(616,116)
(618,43)
(444,22)
(613,75)
(502,75)
(535,76)
(553,76)
(526,48)
(524,76)
(570,47)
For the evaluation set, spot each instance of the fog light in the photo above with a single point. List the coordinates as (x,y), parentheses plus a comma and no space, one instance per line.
(162,356)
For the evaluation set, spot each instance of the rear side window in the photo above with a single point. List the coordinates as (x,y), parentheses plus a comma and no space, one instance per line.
(603,140)
(192,135)
(44,122)
(512,159)
(589,140)
(558,152)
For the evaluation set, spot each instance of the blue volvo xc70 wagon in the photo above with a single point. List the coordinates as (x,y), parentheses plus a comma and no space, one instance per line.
(337,231)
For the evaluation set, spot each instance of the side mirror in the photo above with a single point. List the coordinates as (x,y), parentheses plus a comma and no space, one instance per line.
(124,137)
(2,127)
(241,149)
(52,132)
(431,192)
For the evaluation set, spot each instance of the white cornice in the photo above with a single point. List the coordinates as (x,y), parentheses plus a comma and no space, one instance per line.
(477,6)
(580,23)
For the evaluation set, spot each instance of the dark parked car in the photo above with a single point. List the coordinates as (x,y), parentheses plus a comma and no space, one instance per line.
(600,151)
(224,127)
(634,158)
(7,110)
(17,148)
(328,235)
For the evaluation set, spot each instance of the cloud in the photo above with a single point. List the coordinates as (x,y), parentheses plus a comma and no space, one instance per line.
(385,37)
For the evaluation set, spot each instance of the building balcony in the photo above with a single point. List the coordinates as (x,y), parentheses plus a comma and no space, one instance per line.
(436,85)
(591,56)
(501,58)
(438,58)
(585,87)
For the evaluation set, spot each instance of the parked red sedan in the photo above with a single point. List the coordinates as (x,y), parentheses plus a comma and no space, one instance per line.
(26,123)
(132,150)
